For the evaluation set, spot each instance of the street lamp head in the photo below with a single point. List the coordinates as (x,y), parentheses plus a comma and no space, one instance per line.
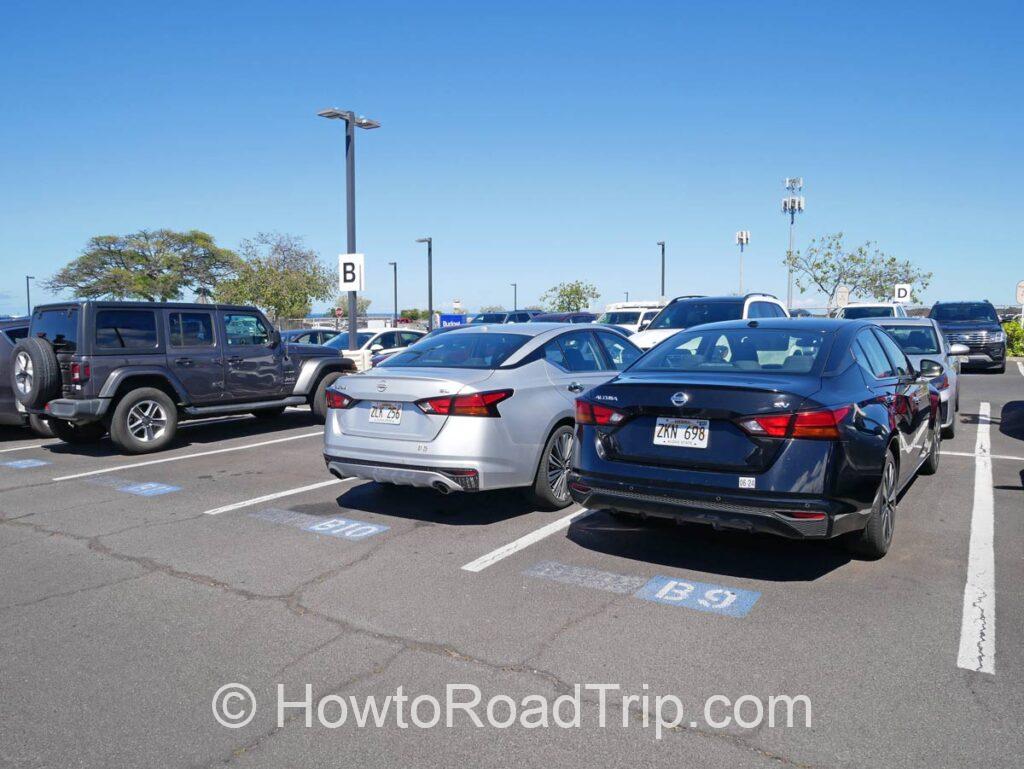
(424,240)
(333,113)
(661,243)
(392,264)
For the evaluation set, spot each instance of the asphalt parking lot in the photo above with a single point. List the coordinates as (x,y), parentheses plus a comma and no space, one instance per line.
(133,588)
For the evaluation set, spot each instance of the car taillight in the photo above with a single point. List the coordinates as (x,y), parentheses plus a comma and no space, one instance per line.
(803,424)
(470,405)
(338,400)
(80,373)
(590,413)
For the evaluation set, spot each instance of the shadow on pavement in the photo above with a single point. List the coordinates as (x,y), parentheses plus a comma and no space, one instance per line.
(477,509)
(1012,422)
(701,548)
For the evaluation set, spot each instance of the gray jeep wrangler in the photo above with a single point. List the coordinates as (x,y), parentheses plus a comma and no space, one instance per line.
(135,369)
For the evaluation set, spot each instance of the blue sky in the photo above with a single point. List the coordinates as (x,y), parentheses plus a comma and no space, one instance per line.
(535,142)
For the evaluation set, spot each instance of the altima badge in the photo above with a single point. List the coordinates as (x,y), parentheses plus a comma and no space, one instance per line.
(680,399)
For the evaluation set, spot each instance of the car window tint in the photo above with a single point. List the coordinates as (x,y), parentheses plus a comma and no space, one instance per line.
(126,329)
(915,340)
(58,327)
(581,352)
(554,355)
(191,329)
(14,334)
(459,349)
(242,328)
(620,352)
(408,338)
(742,350)
(877,362)
(894,353)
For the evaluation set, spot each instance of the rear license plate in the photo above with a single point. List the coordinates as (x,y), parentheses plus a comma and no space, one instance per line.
(384,413)
(683,433)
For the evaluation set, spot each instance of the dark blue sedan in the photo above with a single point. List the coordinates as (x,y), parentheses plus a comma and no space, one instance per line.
(805,428)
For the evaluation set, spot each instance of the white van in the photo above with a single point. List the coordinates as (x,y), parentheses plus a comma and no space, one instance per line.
(630,316)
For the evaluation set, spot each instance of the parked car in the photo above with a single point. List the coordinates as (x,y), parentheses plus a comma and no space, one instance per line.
(136,369)
(473,409)
(11,411)
(516,316)
(800,428)
(564,317)
(689,311)
(630,316)
(976,325)
(308,335)
(861,310)
(921,339)
(381,342)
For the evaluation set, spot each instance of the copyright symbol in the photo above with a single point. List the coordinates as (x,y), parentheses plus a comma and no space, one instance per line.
(234,705)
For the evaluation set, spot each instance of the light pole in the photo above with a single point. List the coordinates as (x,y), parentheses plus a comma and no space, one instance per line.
(28,294)
(394,315)
(792,204)
(742,239)
(430,281)
(515,296)
(352,121)
(662,244)
(627,296)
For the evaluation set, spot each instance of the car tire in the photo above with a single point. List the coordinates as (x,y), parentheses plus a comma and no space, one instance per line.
(1001,369)
(77,434)
(269,413)
(930,466)
(318,403)
(950,430)
(35,373)
(144,420)
(40,426)
(874,539)
(550,489)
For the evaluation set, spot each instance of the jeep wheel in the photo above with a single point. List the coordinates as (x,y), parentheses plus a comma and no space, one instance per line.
(318,404)
(77,434)
(145,420)
(35,374)
(40,426)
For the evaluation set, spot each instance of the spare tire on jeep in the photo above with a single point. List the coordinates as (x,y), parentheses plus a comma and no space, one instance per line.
(35,373)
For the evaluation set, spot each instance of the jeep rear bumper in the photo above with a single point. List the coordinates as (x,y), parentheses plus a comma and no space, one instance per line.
(79,411)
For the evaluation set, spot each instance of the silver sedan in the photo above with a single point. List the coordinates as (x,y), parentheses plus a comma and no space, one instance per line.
(922,339)
(478,408)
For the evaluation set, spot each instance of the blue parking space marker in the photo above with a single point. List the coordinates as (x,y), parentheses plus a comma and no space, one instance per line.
(147,489)
(23,464)
(346,528)
(701,596)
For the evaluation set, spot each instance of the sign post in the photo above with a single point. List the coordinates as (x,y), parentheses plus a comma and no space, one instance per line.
(842,296)
(901,292)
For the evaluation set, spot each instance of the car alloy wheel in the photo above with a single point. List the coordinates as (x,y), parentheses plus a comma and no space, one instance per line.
(559,465)
(887,511)
(147,421)
(23,373)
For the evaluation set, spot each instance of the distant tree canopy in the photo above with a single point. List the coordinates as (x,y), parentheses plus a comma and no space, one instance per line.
(278,275)
(149,265)
(493,308)
(826,264)
(362,305)
(570,297)
(414,314)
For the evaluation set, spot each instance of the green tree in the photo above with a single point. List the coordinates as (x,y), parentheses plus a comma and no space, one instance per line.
(827,264)
(362,305)
(570,297)
(278,275)
(157,265)
(492,308)
(413,314)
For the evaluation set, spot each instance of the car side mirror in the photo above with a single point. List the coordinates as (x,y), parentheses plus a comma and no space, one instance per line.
(959,349)
(643,325)
(275,339)
(930,369)
(376,348)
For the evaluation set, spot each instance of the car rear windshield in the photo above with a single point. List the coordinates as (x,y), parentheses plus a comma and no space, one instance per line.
(490,317)
(462,350)
(340,342)
(855,313)
(689,313)
(978,312)
(620,318)
(915,340)
(58,327)
(746,350)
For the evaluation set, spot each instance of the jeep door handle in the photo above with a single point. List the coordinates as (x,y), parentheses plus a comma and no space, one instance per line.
(184,362)
(575,387)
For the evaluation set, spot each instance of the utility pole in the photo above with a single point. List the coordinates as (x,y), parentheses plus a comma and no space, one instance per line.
(394,315)
(28,294)
(515,296)
(792,204)
(430,281)
(662,244)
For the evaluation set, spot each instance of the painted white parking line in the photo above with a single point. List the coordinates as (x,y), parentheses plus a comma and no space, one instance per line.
(1020,367)
(33,446)
(972,454)
(119,468)
(515,546)
(978,623)
(275,495)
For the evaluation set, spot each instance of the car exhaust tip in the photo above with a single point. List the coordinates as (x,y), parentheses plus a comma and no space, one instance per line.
(441,488)
(336,473)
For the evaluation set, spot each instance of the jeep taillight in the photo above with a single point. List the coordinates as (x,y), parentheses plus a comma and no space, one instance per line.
(80,373)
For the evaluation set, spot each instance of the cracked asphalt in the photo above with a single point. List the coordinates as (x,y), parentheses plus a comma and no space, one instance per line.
(121,615)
